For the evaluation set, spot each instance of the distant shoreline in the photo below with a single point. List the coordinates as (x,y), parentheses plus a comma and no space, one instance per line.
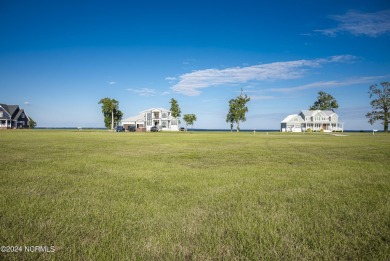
(199,130)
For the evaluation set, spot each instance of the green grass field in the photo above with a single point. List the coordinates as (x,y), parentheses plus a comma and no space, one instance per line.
(194,196)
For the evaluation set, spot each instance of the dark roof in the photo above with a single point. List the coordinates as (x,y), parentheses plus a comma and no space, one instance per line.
(5,106)
(18,114)
(13,110)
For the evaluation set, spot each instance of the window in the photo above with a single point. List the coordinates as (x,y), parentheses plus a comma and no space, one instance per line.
(174,122)
(149,119)
(1,114)
(22,115)
(156,115)
(164,124)
(164,115)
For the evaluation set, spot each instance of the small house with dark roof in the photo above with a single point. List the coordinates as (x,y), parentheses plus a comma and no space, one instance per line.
(12,117)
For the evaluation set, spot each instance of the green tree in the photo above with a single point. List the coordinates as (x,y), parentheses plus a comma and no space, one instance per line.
(31,123)
(189,119)
(229,116)
(325,102)
(237,110)
(380,105)
(111,112)
(175,109)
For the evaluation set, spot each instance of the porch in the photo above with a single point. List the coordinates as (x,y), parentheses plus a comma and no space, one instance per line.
(325,126)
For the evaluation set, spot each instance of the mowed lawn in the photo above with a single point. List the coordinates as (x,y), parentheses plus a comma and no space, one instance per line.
(100,195)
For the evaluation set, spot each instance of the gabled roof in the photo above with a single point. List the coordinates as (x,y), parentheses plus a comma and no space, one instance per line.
(291,117)
(310,113)
(156,109)
(5,107)
(12,110)
(135,118)
(20,112)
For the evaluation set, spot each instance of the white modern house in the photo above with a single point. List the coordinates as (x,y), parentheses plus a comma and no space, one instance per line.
(159,117)
(316,120)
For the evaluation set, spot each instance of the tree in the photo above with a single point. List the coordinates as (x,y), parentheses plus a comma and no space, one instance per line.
(237,110)
(189,119)
(175,109)
(229,116)
(111,112)
(325,102)
(380,105)
(31,123)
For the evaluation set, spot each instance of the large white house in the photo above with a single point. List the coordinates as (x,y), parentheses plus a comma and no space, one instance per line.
(316,120)
(159,117)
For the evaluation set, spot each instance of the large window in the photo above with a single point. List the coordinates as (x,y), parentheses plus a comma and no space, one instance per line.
(174,122)
(164,124)
(149,119)
(1,114)
(164,115)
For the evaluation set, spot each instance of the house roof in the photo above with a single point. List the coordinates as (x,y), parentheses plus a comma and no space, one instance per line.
(155,109)
(20,112)
(135,118)
(315,112)
(12,110)
(291,117)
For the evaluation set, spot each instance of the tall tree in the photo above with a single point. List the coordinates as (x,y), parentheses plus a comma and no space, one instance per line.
(325,102)
(189,119)
(175,109)
(111,112)
(380,105)
(237,110)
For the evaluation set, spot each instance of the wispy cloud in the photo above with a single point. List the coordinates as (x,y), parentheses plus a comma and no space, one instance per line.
(357,23)
(144,91)
(170,78)
(190,84)
(147,92)
(27,103)
(112,83)
(262,97)
(330,84)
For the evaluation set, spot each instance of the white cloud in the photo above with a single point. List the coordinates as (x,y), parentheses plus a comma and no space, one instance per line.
(170,79)
(147,92)
(190,84)
(143,91)
(330,84)
(262,97)
(112,83)
(357,23)
(27,103)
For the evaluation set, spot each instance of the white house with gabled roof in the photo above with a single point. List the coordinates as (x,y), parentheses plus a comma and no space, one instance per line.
(158,117)
(316,120)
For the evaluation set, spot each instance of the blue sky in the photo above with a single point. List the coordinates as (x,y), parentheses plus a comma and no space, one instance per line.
(59,58)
